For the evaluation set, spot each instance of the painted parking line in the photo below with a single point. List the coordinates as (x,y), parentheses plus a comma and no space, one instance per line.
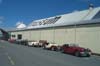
(10,59)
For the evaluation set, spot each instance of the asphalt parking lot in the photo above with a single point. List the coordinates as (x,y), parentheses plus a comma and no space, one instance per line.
(19,55)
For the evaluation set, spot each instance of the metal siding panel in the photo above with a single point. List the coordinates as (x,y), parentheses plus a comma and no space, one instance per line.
(70,36)
(89,37)
(60,36)
(25,35)
(47,35)
(35,35)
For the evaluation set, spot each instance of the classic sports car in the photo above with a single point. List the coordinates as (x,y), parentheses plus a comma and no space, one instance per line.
(51,46)
(75,50)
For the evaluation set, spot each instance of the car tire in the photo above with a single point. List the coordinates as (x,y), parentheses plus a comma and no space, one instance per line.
(44,47)
(88,55)
(62,51)
(77,54)
(53,48)
(34,45)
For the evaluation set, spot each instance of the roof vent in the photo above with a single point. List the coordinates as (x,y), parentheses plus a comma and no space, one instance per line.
(91,6)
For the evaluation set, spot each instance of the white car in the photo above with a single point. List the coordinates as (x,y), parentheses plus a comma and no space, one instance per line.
(33,43)
(51,46)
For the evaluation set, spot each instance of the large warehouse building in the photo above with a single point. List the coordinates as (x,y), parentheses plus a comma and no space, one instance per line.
(79,27)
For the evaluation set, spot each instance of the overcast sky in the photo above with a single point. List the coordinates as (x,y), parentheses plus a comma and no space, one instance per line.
(13,11)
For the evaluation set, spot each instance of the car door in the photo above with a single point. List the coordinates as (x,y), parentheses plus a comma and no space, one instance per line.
(66,49)
(69,49)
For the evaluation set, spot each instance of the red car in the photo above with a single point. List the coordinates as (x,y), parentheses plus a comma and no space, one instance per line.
(75,50)
(11,40)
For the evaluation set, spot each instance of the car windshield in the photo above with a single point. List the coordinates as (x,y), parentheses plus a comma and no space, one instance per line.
(74,45)
(52,43)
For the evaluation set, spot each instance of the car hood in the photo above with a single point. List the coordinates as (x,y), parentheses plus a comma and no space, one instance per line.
(79,48)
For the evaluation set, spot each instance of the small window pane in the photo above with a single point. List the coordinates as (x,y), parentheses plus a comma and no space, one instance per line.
(13,36)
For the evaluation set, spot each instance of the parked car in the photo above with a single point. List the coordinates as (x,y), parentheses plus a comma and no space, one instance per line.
(42,43)
(51,46)
(33,43)
(75,50)
(22,42)
(30,43)
(12,40)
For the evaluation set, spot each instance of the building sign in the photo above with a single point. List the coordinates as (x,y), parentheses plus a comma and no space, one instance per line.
(46,21)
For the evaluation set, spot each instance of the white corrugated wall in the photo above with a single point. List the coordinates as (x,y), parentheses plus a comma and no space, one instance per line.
(88,37)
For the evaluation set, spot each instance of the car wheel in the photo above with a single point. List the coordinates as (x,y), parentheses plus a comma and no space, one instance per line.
(33,45)
(62,51)
(88,55)
(44,47)
(77,53)
(53,48)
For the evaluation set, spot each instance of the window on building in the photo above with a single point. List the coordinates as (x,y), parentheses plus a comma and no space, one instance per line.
(19,36)
(13,35)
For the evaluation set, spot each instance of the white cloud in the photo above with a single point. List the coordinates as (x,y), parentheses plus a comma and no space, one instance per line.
(0,1)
